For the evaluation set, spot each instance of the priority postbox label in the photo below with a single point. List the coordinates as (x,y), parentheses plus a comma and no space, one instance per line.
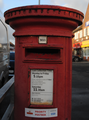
(41,113)
(41,87)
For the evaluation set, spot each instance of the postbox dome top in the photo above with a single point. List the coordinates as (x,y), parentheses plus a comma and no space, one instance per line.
(44,10)
(43,20)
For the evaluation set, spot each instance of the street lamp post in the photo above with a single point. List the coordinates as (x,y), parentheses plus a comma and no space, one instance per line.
(39,2)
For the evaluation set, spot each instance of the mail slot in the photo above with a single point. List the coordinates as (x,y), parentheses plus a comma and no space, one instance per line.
(43,54)
(43,60)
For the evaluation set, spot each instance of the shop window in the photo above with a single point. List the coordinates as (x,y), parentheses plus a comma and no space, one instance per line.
(80,33)
(87,23)
(88,31)
(85,32)
(88,51)
(76,35)
(75,52)
(84,51)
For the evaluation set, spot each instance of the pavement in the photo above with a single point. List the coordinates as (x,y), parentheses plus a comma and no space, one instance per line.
(80,90)
(81,62)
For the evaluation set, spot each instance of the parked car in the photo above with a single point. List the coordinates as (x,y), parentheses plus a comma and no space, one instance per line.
(11,63)
(4,52)
(76,58)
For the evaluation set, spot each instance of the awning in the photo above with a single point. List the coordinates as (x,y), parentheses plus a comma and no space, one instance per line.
(85,44)
(77,45)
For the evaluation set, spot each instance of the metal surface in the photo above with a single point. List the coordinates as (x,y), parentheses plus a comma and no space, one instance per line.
(4,52)
(8,112)
(6,88)
(39,2)
(57,24)
(3,91)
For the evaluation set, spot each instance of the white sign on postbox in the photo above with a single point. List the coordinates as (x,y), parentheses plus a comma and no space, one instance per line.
(41,87)
(43,39)
(41,113)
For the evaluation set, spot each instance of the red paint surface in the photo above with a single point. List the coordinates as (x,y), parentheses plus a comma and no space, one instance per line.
(57,23)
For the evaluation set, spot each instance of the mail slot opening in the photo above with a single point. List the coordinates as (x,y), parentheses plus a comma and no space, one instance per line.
(42,53)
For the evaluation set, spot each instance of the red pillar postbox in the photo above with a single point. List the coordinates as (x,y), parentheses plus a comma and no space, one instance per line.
(43,60)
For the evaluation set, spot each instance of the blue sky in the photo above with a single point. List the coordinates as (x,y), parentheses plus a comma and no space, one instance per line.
(16,3)
(8,4)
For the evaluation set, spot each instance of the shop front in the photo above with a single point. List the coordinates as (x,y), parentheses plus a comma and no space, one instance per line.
(85,48)
(77,49)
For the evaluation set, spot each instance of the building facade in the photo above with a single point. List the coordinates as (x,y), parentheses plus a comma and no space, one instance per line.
(80,42)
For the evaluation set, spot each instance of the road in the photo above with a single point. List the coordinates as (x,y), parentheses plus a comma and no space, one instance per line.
(80,92)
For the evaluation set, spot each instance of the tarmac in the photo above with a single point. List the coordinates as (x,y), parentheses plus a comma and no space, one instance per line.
(80,90)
